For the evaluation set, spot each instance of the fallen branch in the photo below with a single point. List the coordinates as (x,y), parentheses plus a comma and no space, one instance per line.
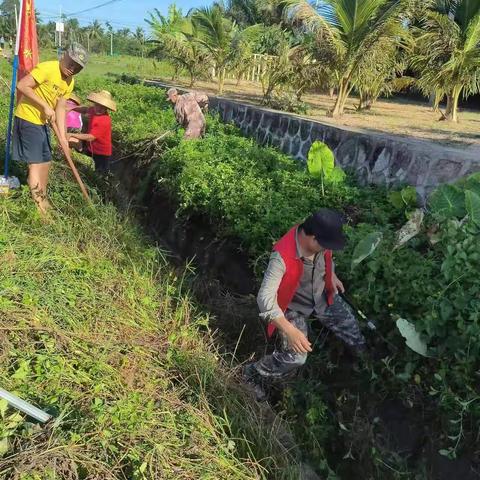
(143,146)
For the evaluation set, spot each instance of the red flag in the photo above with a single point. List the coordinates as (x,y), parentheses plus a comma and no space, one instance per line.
(28,46)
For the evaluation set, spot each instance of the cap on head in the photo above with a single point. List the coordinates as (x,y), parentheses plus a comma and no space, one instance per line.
(327,227)
(171,92)
(78,54)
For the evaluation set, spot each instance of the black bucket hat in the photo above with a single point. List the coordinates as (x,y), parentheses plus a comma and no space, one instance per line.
(327,227)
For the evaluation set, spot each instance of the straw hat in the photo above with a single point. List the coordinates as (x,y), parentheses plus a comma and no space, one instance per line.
(75,99)
(103,98)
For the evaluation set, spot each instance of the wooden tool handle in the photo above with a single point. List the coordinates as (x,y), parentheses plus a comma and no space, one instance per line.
(66,152)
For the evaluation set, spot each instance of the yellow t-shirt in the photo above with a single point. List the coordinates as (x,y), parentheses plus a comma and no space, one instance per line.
(51,86)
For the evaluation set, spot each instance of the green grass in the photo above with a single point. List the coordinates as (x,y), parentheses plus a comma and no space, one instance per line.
(97,329)
(99,65)
(104,65)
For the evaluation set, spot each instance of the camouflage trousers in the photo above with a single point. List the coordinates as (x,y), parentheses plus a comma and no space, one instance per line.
(337,318)
(195,129)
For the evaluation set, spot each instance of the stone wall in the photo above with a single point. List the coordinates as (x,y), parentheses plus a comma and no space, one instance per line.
(375,158)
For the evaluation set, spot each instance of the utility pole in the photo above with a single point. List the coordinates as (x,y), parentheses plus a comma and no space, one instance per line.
(60,32)
(111,43)
(16,16)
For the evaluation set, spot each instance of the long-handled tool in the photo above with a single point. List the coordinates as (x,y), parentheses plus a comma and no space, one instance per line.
(370,324)
(66,152)
(24,406)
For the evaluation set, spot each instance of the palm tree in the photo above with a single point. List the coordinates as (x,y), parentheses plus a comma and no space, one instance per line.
(253,12)
(216,35)
(447,54)
(350,29)
(72,28)
(182,47)
(166,24)
(168,37)
(94,32)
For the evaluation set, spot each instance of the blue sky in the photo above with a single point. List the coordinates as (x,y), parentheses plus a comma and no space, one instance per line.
(122,13)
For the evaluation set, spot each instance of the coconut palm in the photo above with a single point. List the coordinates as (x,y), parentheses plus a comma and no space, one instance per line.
(447,55)
(182,47)
(253,12)
(381,73)
(94,31)
(72,29)
(350,29)
(171,23)
(216,35)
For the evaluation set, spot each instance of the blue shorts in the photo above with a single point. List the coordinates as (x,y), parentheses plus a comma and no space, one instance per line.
(31,142)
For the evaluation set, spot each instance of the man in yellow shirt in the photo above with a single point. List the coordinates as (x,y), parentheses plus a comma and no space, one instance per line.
(43,97)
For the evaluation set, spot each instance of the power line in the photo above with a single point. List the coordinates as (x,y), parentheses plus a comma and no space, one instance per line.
(93,8)
(87,18)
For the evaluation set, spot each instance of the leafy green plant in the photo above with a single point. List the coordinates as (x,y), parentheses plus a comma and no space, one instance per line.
(321,164)
(366,247)
(412,337)
(404,199)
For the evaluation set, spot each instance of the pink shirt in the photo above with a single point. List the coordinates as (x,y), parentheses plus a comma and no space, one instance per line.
(74,119)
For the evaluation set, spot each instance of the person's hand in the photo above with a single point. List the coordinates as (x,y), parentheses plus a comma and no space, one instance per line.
(64,145)
(338,285)
(49,114)
(297,341)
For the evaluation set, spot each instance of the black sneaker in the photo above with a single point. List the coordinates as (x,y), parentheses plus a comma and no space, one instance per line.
(254,380)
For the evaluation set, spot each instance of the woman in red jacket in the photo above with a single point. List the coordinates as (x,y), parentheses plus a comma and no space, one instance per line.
(98,139)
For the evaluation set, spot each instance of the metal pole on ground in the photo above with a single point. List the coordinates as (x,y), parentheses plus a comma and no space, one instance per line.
(24,406)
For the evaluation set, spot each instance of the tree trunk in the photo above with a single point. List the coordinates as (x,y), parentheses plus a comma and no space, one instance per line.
(221,80)
(342,96)
(451,112)
(437,100)
(336,108)
(331,92)
(192,78)
(366,102)
(299,94)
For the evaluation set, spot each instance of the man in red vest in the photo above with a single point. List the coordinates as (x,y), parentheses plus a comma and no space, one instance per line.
(299,284)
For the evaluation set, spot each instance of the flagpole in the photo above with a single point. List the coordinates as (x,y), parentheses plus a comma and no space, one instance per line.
(13,87)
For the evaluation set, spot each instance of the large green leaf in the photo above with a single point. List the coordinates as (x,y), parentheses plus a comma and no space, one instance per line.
(448,201)
(412,337)
(320,161)
(411,228)
(407,197)
(472,202)
(366,247)
(337,175)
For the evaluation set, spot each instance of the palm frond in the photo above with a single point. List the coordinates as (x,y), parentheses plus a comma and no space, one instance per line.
(472,35)
(465,11)
(303,13)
